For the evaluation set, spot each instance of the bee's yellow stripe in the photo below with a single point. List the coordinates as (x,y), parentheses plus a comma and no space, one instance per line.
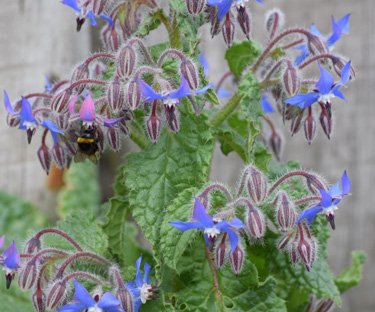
(84,140)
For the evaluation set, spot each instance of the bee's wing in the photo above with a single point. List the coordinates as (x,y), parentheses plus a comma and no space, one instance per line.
(79,157)
(93,159)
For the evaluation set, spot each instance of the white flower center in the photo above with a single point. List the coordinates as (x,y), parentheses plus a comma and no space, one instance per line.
(326,98)
(30,125)
(212,232)
(330,210)
(145,292)
(95,309)
(170,102)
(240,3)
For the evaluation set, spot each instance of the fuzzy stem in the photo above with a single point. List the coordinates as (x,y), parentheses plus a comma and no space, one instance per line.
(48,250)
(268,83)
(58,85)
(242,182)
(178,53)
(307,199)
(44,136)
(269,123)
(61,233)
(222,79)
(273,69)
(143,48)
(232,104)
(45,95)
(97,55)
(137,137)
(224,214)
(86,81)
(285,177)
(41,109)
(292,44)
(218,187)
(274,41)
(119,280)
(214,275)
(317,57)
(314,82)
(85,274)
(145,69)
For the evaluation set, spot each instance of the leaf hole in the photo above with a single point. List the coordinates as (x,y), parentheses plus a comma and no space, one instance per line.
(182,307)
(228,303)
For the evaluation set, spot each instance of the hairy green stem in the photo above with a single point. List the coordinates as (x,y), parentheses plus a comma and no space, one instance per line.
(232,104)
(137,137)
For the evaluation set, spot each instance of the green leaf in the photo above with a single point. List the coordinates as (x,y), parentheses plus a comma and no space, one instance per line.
(248,90)
(155,176)
(261,156)
(242,54)
(115,227)
(150,22)
(81,190)
(352,275)
(276,169)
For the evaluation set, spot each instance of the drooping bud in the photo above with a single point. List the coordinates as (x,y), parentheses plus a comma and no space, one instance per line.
(44,157)
(56,294)
(291,79)
(306,245)
(274,21)
(286,240)
(310,127)
(216,25)
(124,295)
(291,111)
(189,71)
(123,127)
(79,73)
(314,183)
(316,45)
(324,305)
(133,95)
(256,184)
(125,61)
(153,124)
(243,19)
(326,122)
(220,252)
(12,121)
(228,30)
(276,143)
(113,138)
(116,95)
(62,121)
(296,124)
(39,300)
(194,7)
(236,259)
(285,212)
(293,254)
(171,117)
(58,155)
(60,102)
(311,305)
(28,275)
(339,63)
(98,6)
(111,38)
(255,222)
(32,245)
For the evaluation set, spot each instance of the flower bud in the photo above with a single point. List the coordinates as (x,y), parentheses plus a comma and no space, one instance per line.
(28,275)
(189,71)
(326,122)
(310,128)
(220,252)
(316,45)
(216,25)
(274,21)
(44,157)
(293,254)
(171,117)
(310,306)
(290,111)
(32,245)
(324,305)
(314,183)
(58,155)
(153,124)
(286,240)
(111,39)
(306,245)
(296,124)
(71,147)
(79,73)
(276,143)
(115,95)
(194,7)
(60,102)
(62,121)
(124,295)
(134,95)
(228,30)
(256,184)
(123,127)
(243,20)
(125,61)
(255,222)
(339,63)
(12,121)
(285,212)
(98,6)
(291,80)
(56,294)
(113,138)
(236,259)
(39,300)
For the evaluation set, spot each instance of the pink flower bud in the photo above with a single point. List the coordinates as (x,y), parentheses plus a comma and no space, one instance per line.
(310,306)
(113,138)
(71,147)
(28,275)
(326,122)
(124,295)
(125,61)
(293,254)
(111,39)
(56,294)
(123,127)
(171,117)
(62,121)
(291,80)
(274,21)
(58,155)
(134,95)
(316,45)
(153,124)
(195,6)
(216,25)
(286,240)
(276,143)
(306,245)
(39,300)
(324,305)
(228,30)
(79,73)
(296,124)
(116,95)
(12,121)
(98,6)
(220,252)
(285,212)
(236,259)
(243,20)
(339,63)
(32,245)
(60,102)
(291,111)
(44,157)
(310,128)
(256,184)
(255,222)
(314,183)
(189,71)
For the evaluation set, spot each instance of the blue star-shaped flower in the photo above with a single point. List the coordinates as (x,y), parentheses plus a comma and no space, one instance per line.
(339,28)
(82,300)
(85,12)
(211,229)
(9,260)
(225,5)
(27,120)
(326,89)
(329,202)
(266,105)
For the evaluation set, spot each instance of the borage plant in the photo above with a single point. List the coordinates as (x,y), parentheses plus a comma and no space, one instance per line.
(259,247)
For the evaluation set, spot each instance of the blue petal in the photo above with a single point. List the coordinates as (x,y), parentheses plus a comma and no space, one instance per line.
(233,238)
(48,86)
(185,226)
(7,250)
(82,295)
(12,260)
(266,105)
(72,105)
(335,190)
(206,239)
(345,183)
(315,31)
(26,113)
(107,18)
(138,277)
(146,270)
(345,73)
(51,126)
(72,4)
(222,225)
(223,9)
(303,100)
(91,16)
(326,200)
(204,63)
(236,223)
(305,53)
(111,122)
(109,302)
(343,23)
(183,90)
(338,93)
(336,35)
(72,307)
(325,82)
(2,239)
(201,215)
(260,1)
(222,92)
(87,111)
(148,93)
(309,214)
(8,105)
(137,304)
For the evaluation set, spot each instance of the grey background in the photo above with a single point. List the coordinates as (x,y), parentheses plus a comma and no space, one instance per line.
(38,37)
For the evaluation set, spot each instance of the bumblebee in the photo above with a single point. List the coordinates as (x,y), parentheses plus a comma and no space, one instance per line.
(88,145)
